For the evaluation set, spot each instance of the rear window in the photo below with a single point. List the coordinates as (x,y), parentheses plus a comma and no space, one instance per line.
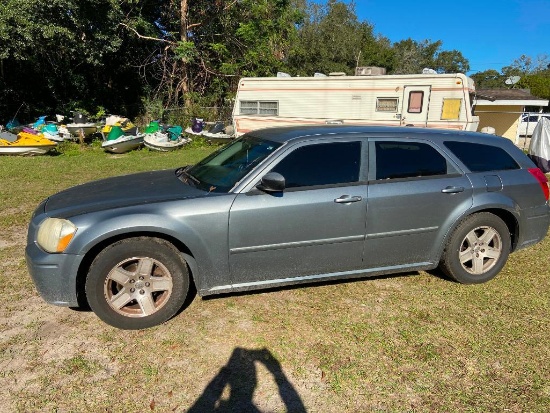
(482,158)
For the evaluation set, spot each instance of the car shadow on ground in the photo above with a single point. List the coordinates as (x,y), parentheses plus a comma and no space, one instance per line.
(232,389)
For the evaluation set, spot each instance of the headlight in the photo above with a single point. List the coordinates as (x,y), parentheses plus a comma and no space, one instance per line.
(55,234)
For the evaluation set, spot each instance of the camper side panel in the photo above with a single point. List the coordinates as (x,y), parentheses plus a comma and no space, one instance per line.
(360,100)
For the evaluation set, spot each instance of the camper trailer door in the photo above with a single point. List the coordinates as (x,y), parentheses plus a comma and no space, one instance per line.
(416,100)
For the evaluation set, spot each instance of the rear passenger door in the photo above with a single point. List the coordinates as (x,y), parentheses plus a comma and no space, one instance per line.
(415,193)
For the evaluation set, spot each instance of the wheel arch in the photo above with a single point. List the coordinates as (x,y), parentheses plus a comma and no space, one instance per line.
(509,218)
(511,222)
(93,252)
(478,247)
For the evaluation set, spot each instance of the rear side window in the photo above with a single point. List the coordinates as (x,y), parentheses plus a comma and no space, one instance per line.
(396,160)
(482,158)
(321,164)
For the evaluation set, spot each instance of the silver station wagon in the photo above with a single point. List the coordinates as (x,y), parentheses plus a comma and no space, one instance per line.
(287,206)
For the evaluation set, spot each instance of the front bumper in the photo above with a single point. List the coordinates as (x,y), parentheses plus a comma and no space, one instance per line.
(54,275)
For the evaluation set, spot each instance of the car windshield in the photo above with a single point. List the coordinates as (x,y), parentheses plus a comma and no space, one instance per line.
(223,169)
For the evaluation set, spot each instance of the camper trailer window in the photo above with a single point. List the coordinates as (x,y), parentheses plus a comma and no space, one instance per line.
(269,108)
(255,107)
(415,102)
(386,104)
(249,107)
(451,109)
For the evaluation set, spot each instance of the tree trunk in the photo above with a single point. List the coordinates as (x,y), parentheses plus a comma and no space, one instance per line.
(183,85)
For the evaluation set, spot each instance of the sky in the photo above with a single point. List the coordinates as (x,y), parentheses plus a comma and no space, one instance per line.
(491,34)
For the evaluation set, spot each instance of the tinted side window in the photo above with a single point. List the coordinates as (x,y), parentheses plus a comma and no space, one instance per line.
(480,158)
(321,164)
(407,159)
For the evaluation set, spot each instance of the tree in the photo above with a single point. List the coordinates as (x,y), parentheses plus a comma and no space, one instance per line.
(331,39)
(538,84)
(62,54)
(203,47)
(58,55)
(412,57)
(534,75)
(451,61)
(489,79)
(524,65)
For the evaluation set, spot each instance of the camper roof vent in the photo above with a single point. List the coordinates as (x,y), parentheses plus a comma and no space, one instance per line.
(337,74)
(369,71)
(317,74)
(428,71)
(283,74)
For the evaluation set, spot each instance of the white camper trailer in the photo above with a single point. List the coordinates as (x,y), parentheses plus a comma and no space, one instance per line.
(424,100)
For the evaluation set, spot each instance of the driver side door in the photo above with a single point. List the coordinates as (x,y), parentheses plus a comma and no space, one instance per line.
(314,229)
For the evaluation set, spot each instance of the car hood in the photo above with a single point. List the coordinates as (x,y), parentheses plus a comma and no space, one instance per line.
(121,191)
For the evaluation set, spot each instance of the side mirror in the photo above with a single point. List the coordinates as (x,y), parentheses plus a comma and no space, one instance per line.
(272,182)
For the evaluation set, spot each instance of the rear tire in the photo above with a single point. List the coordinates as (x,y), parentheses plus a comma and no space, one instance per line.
(477,249)
(137,283)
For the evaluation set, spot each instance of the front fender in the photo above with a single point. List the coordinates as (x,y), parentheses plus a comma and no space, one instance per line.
(200,224)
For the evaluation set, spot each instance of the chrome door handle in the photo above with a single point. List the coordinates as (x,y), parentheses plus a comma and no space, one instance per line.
(347,199)
(453,189)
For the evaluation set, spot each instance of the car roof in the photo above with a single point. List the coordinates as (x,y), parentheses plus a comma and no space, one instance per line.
(290,133)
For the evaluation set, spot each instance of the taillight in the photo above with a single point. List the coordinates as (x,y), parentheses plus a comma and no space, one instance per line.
(543,181)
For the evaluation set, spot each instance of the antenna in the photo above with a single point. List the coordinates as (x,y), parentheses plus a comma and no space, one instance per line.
(512,80)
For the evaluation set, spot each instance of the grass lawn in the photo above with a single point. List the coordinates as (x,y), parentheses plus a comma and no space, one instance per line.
(412,342)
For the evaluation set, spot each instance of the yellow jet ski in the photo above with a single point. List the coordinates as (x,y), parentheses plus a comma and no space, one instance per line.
(26,144)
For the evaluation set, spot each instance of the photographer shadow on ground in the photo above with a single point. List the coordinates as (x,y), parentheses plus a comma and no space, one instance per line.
(239,375)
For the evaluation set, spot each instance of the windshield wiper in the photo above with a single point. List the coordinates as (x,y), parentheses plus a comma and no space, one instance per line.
(184,176)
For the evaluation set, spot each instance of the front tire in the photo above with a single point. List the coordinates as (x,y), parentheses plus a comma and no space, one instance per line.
(477,250)
(137,283)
